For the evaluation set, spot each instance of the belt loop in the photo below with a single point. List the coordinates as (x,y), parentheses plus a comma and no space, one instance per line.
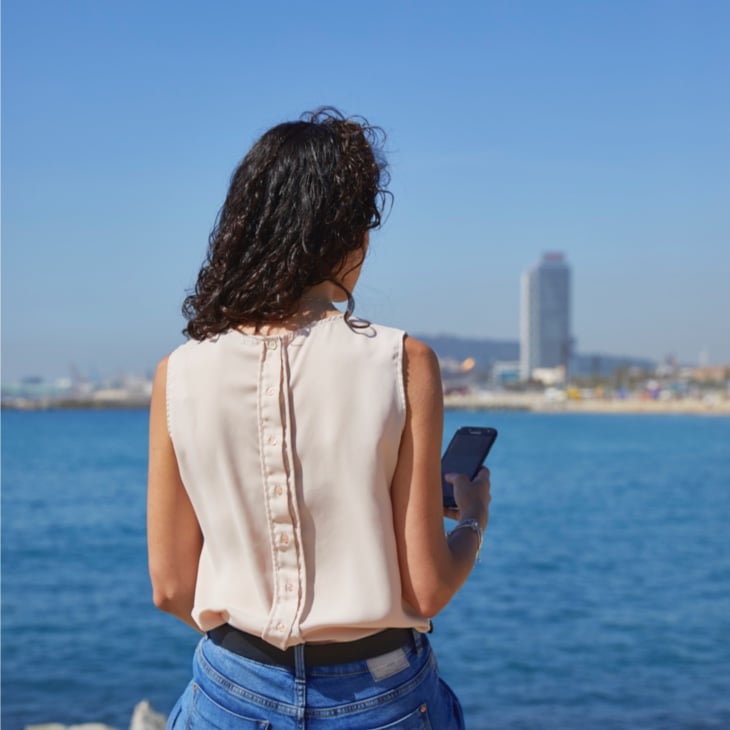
(418,641)
(300,683)
(300,662)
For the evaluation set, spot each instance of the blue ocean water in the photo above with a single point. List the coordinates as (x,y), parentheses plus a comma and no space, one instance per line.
(602,599)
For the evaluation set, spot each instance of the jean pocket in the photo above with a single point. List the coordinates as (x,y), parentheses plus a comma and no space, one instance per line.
(456,708)
(207,713)
(416,720)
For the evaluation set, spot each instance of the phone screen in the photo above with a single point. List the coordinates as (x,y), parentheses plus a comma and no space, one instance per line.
(465,454)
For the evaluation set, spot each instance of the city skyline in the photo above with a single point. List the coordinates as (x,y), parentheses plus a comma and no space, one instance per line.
(73,376)
(512,130)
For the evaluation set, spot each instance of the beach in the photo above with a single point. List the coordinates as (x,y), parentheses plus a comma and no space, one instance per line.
(545,403)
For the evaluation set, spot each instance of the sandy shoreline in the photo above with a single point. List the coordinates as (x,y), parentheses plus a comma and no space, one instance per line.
(484,401)
(538,403)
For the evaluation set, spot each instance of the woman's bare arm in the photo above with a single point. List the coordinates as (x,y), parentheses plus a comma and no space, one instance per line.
(432,567)
(174,539)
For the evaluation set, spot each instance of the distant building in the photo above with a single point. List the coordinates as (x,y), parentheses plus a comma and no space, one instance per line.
(505,372)
(545,340)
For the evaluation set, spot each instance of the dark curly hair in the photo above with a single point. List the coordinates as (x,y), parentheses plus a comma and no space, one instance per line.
(298,205)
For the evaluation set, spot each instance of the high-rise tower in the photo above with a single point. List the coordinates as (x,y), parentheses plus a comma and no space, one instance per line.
(545,340)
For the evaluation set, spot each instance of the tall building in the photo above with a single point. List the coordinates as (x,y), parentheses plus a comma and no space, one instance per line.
(545,340)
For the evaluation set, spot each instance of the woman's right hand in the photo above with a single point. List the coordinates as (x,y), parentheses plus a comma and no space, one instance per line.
(472,497)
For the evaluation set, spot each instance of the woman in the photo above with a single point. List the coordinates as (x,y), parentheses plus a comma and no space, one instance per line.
(294,508)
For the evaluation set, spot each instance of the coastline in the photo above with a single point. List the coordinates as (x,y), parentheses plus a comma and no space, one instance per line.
(480,401)
(79,404)
(540,403)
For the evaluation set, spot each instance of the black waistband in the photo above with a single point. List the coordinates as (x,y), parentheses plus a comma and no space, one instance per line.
(315,655)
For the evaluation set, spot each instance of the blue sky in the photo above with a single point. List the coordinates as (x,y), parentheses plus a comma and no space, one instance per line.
(600,129)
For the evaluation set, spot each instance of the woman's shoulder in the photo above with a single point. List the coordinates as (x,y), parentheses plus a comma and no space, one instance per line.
(420,363)
(414,351)
(179,353)
(418,350)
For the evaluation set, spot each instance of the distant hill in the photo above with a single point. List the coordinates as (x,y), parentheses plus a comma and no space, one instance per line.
(487,352)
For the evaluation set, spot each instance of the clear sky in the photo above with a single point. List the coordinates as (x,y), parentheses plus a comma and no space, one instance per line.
(601,129)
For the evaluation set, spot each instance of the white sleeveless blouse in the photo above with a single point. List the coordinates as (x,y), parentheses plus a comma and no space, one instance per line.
(287,447)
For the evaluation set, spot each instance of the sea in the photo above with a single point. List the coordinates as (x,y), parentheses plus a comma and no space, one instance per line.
(602,599)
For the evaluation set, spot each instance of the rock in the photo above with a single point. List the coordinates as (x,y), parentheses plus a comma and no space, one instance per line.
(145,718)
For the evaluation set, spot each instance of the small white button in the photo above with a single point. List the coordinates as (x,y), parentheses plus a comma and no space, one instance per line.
(280,626)
(290,587)
(284,539)
(270,391)
(271,344)
(272,440)
(278,490)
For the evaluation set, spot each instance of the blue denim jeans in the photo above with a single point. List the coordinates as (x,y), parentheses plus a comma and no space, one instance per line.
(398,691)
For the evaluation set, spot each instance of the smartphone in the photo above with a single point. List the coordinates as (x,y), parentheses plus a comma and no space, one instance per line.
(465,454)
